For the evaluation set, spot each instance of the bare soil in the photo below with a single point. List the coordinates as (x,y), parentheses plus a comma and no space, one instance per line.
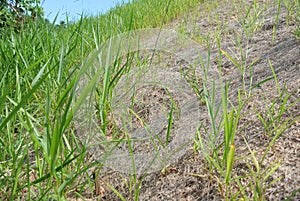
(189,178)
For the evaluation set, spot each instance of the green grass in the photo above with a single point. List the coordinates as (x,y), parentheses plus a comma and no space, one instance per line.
(40,155)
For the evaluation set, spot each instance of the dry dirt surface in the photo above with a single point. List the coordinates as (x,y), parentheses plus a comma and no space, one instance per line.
(188,178)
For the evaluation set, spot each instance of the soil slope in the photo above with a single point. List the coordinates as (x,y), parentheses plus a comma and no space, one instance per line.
(188,178)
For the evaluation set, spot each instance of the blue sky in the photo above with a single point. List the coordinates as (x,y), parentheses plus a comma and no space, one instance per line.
(75,7)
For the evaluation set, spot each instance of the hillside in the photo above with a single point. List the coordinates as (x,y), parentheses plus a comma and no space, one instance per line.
(155,100)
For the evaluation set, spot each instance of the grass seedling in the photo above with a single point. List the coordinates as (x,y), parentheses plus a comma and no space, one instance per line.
(259,176)
(243,69)
(297,18)
(289,6)
(251,21)
(273,119)
(218,111)
(276,20)
(170,122)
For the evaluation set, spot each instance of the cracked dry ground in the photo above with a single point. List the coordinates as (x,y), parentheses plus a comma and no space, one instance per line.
(188,178)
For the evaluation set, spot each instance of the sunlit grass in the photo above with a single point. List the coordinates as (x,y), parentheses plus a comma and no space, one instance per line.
(40,155)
